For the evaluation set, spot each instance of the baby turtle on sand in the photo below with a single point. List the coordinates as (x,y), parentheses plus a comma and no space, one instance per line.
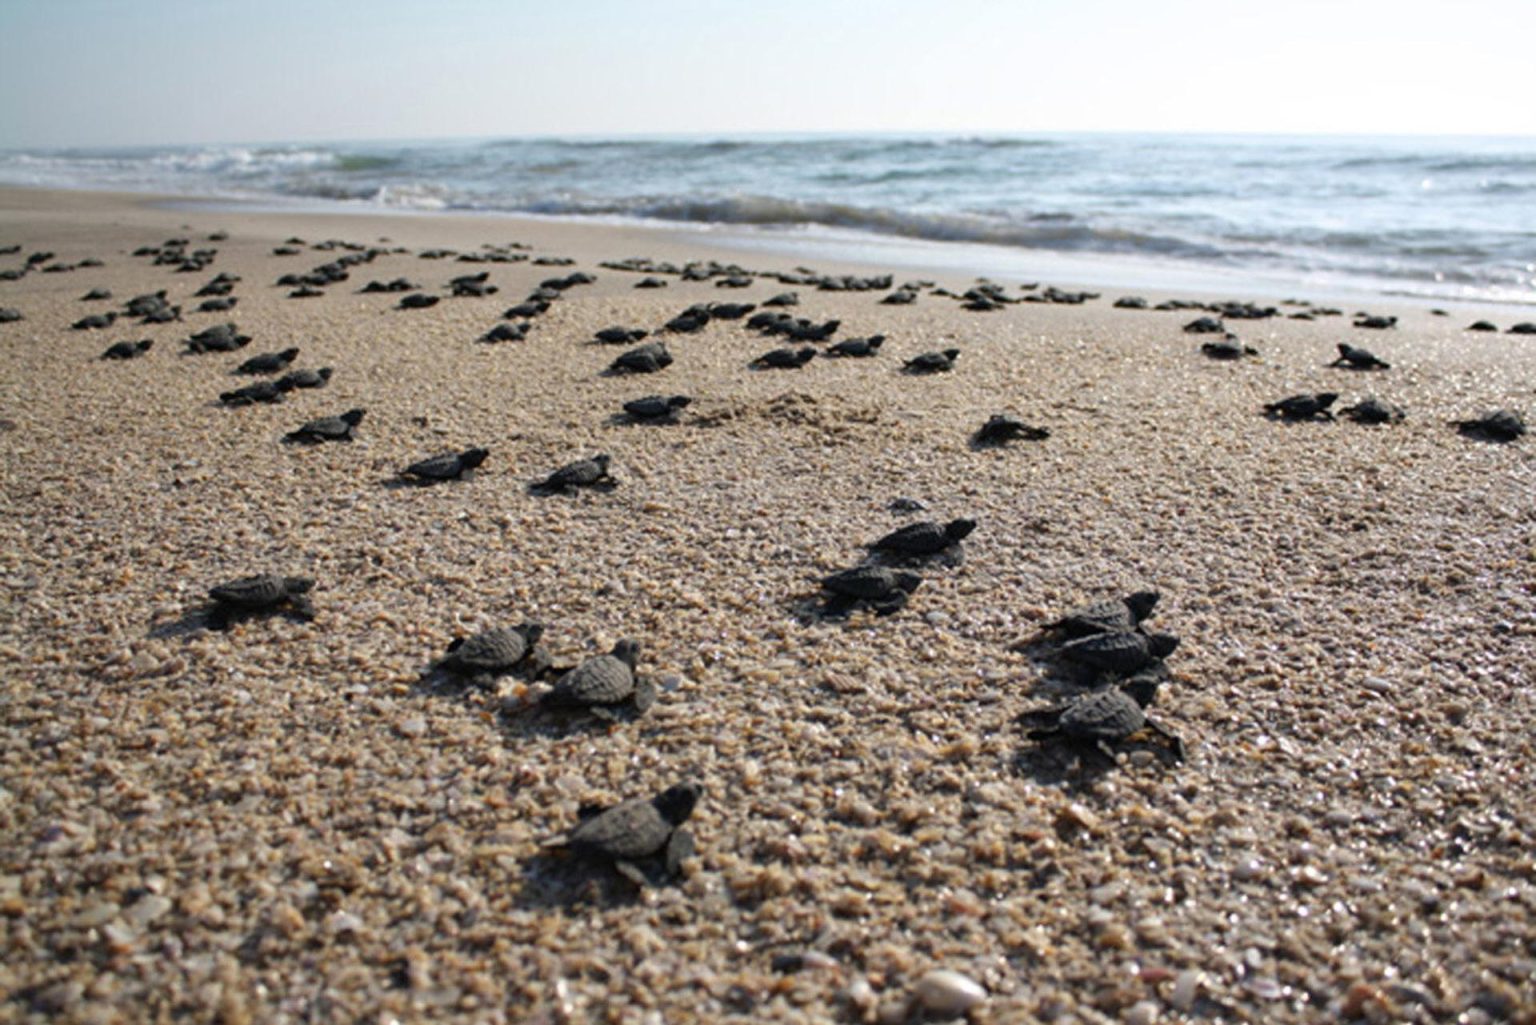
(639,831)
(218,338)
(249,395)
(1372,410)
(1118,652)
(268,362)
(881,588)
(620,335)
(1482,325)
(446,466)
(1228,348)
(305,378)
(581,474)
(1499,425)
(1356,358)
(656,408)
(1115,615)
(643,359)
(95,322)
(486,655)
(932,362)
(328,428)
(96,294)
(258,595)
(926,538)
(1001,429)
(604,685)
(1303,407)
(1375,322)
(1205,326)
(1525,327)
(785,359)
(416,301)
(127,350)
(9,315)
(1105,717)
(857,347)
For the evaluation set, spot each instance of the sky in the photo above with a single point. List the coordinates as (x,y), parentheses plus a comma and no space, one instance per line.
(157,72)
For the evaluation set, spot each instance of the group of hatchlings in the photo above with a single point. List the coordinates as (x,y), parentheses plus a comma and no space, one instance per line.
(645,839)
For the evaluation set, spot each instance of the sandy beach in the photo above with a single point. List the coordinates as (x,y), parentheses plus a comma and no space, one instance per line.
(296,821)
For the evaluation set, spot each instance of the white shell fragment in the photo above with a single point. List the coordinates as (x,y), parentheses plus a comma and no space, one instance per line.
(942,991)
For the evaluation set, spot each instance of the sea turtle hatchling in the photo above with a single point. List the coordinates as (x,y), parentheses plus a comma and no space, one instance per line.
(1113,615)
(1001,429)
(1105,717)
(881,588)
(128,350)
(1499,425)
(932,362)
(656,408)
(445,466)
(1227,348)
(643,359)
(328,428)
(268,362)
(489,653)
(926,538)
(784,359)
(1118,652)
(1356,358)
(639,831)
(604,684)
(1303,407)
(581,474)
(263,593)
(1371,410)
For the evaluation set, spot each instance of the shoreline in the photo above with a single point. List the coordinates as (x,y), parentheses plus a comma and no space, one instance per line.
(854,251)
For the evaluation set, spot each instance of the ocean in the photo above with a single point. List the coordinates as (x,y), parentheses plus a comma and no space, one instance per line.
(1444,218)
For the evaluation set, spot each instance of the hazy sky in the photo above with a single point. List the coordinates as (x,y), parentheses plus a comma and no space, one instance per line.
(111,72)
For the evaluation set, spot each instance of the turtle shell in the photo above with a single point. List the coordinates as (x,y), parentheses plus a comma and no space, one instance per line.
(637,828)
(1110,616)
(869,583)
(1120,651)
(491,650)
(603,680)
(260,591)
(1110,714)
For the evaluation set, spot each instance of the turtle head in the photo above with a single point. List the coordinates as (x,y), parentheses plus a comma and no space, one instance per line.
(602,459)
(145,345)
(284,384)
(875,341)
(628,652)
(1162,645)
(951,354)
(289,355)
(531,632)
(1345,349)
(678,401)
(1326,399)
(298,585)
(473,457)
(806,354)
(908,582)
(955,530)
(353,417)
(676,803)
(1141,604)
(1142,688)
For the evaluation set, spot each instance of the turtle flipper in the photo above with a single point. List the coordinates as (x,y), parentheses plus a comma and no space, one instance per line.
(679,849)
(645,695)
(1173,739)
(634,873)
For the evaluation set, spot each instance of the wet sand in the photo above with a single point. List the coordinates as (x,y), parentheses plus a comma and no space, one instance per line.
(286,822)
